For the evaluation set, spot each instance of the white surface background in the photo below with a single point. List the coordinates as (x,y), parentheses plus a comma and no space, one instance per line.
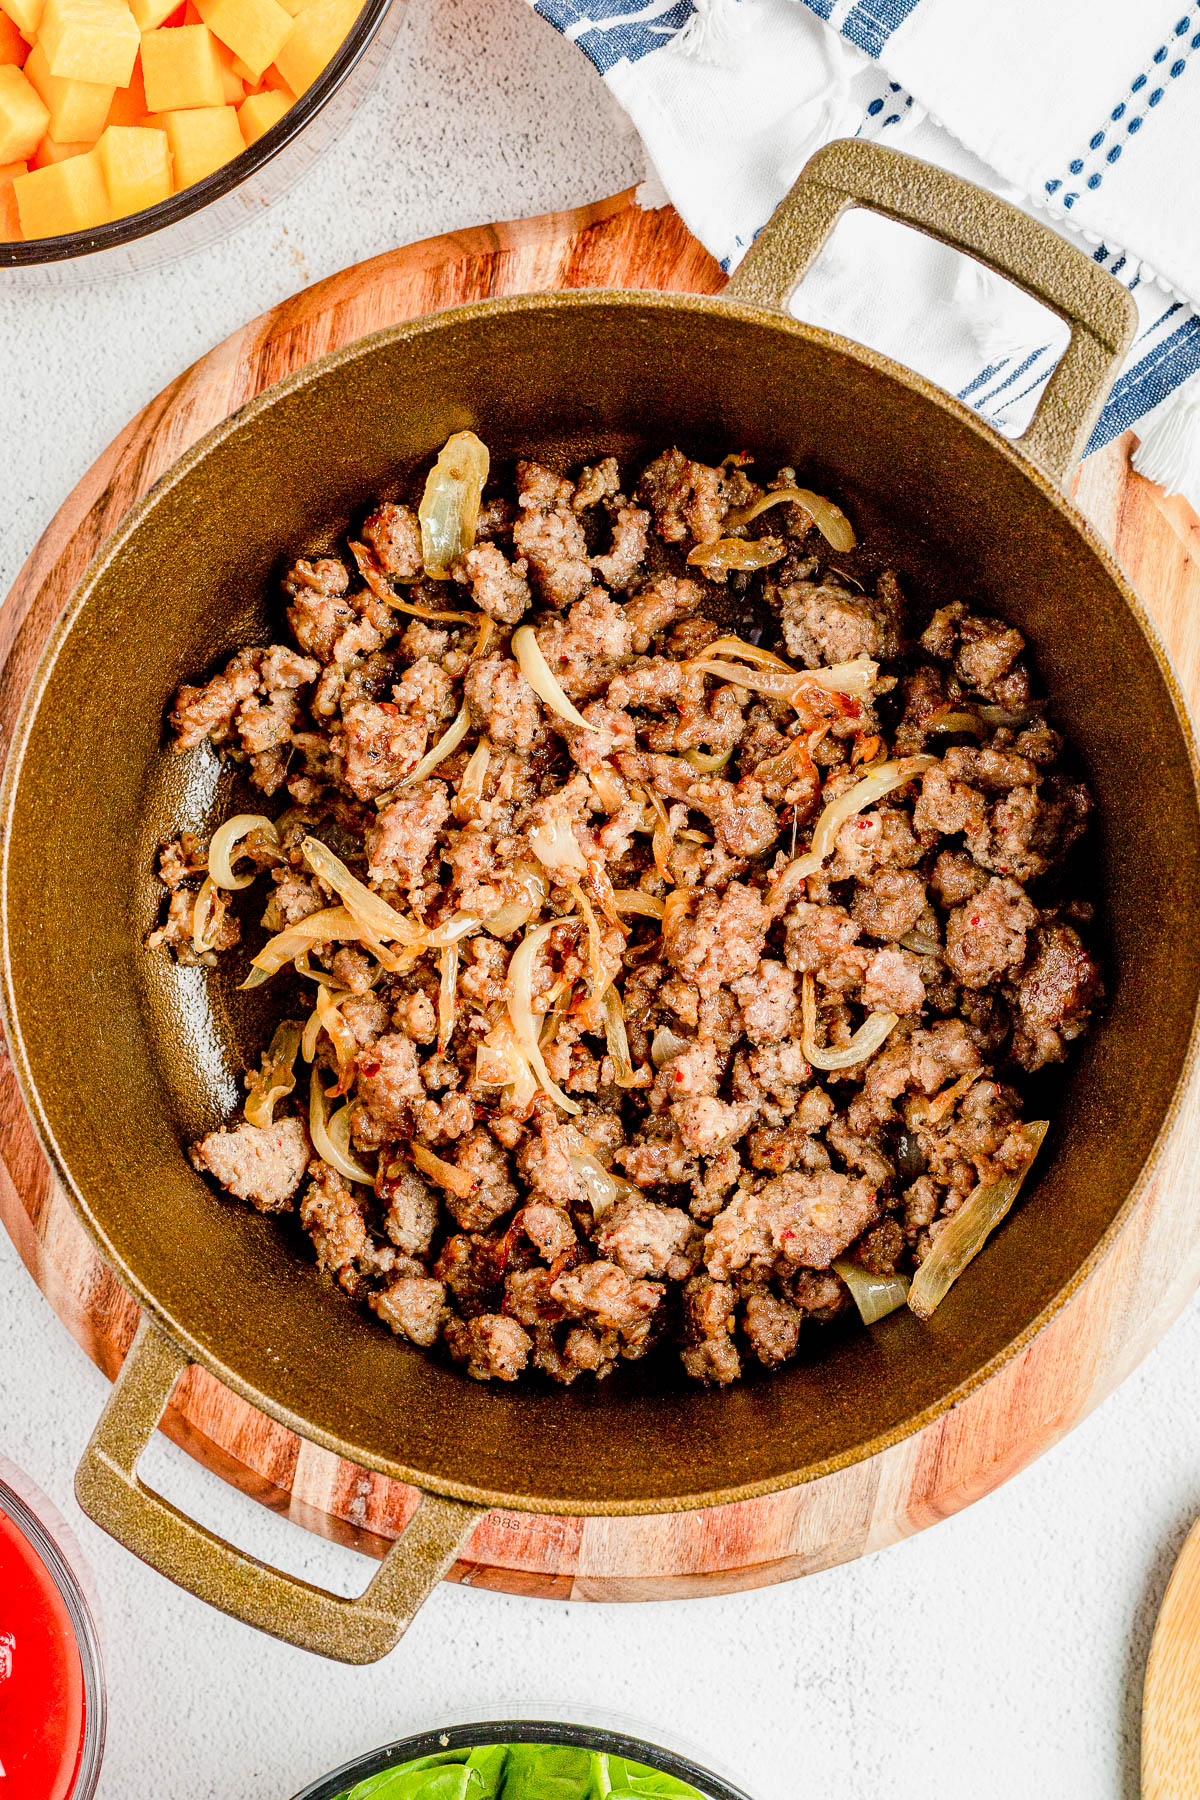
(999,1655)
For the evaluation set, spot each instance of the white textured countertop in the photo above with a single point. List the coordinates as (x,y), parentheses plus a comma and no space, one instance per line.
(999,1655)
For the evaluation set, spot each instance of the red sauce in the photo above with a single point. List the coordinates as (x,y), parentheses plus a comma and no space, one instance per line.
(41,1677)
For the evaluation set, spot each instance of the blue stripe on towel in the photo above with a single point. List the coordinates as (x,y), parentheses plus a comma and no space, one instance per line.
(613,31)
(1149,382)
(871,22)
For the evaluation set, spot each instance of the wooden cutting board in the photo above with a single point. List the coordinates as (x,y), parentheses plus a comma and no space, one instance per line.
(1077,1360)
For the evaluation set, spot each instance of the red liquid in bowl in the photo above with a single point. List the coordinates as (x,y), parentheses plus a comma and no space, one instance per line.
(42,1708)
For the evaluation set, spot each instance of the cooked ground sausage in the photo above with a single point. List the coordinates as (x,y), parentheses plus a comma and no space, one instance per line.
(625,1141)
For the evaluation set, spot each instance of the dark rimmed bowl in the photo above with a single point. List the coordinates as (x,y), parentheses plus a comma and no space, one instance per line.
(522,1731)
(216,205)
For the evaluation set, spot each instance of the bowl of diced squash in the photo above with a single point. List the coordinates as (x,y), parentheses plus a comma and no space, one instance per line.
(134,129)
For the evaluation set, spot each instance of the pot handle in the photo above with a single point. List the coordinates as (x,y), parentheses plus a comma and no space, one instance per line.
(1100,312)
(359,1630)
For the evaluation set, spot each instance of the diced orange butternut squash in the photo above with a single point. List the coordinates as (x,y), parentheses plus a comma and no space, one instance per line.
(136,165)
(258,112)
(50,151)
(13,48)
(233,86)
(64,196)
(201,139)
(26,15)
(316,34)
(180,69)
(78,109)
(129,103)
(150,14)
(255,30)
(295,7)
(89,40)
(24,116)
(10,218)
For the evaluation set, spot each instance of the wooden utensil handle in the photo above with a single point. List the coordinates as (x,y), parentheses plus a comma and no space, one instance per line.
(1100,312)
(359,1630)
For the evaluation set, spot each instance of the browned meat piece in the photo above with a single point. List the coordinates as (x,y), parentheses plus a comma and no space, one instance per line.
(806,1219)
(180,860)
(379,744)
(767,997)
(946,807)
(993,770)
(394,534)
(548,1229)
(402,839)
(668,598)
(263,1164)
(596,482)
(584,650)
(956,877)
(985,936)
(1056,994)
(480,1156)
(619,566)
(426,692)
(388,1087)
(888,903)
(548,535)
(208,711)
(543,1159)
(498,587)
(723,939)
(332,1215)
(922,1062)
(875,840)
(411,1215)
(221,930)
(502,702)
(320,615)
(644,1238)
(823,624)
(603,1294)
(892,982)
(821,941)
(296,897)
(1029,830)
(983,650)
(709,1312)
(414,1306)
(709,1126)
(772,1327)
(493,1348)
(685,497)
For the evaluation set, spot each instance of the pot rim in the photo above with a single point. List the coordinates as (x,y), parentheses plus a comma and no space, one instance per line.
(483,310)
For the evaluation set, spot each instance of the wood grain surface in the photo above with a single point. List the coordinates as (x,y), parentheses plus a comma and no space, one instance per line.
(1171,1697)
(1076,1361)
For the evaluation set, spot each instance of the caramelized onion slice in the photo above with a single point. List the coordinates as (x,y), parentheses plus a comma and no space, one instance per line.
(864,1043)
(226,839)
(447,995)
(600,1186)
(968,1231)
(446,745)
(709,762)
(203,916)
(378,583)
(447,1174)
(276,1079)
(737,553)
(556,847)
(667,1045)
(731,645)
(617,1042)
(881,780)
(470,788)
(874,1295)
(520,1011)
(532,663)
(367,907)
(632,900)
(829,519)
(331,1136)
(449,509)
(330,926)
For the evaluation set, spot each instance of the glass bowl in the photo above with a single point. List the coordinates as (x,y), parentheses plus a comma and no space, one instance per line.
(216,205)
(524,1731)
(47,1655)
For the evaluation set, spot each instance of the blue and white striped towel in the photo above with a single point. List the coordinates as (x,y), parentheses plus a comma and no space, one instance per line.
(1085,112)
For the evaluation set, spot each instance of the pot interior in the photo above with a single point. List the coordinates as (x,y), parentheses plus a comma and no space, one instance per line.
(127,1057)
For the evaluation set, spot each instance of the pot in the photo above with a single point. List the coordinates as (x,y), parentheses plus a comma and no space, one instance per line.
(124,1058)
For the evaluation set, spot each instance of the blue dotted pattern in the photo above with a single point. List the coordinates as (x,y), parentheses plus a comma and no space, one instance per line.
(1126,119)
(613,31)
